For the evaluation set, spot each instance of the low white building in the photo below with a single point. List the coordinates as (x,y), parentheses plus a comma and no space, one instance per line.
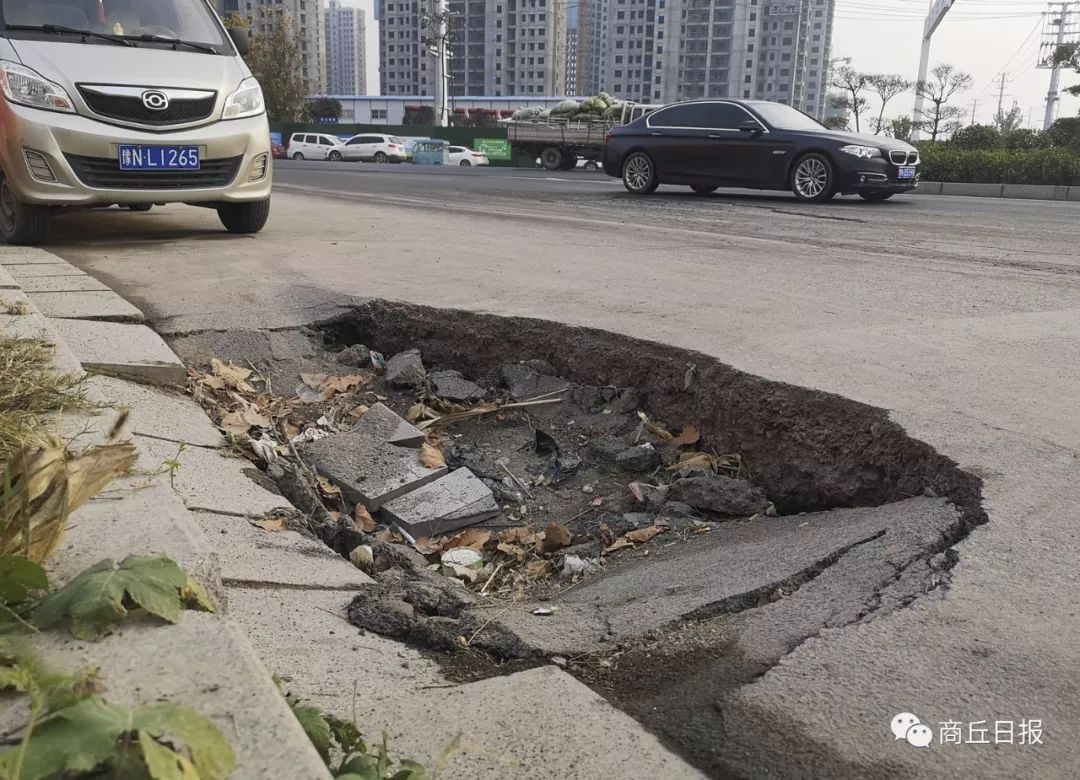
(390,109)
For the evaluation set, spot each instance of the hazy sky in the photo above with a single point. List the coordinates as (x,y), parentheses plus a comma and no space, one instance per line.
(981,37)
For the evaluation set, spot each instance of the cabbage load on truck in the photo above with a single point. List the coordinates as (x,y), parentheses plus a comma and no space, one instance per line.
(571,130)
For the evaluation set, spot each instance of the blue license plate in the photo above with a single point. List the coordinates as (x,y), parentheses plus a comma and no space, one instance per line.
(905,173)
(159,158)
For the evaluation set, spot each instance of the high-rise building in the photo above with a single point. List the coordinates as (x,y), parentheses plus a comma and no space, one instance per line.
(346,52)
(306,19)
(497,47)
(667,50)
(573,49)
(405,67)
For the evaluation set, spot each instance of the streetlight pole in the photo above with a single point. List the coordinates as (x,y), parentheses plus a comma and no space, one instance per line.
(938,9)
(1052,96)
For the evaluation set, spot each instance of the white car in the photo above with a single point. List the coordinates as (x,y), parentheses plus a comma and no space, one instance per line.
(315,146)
(465,157)
(372,147)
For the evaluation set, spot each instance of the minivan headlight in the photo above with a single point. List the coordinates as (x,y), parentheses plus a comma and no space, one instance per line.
(246,101)
(861,151)
(27,87)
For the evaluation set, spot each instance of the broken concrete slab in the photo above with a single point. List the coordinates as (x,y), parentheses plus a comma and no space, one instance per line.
(252,555)
(453,386)
(381,423)
(405,370)
(44,284)
(737,566)
(211,480)
(524,381)
(451,502)
(643,457)
(119,349)
(204,663)
(540,723)
(100,305)
(357,356)
(368,470)
(6,280)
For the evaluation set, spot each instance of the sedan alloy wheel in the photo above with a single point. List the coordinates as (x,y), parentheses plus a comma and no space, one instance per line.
(639,174)
(812,180)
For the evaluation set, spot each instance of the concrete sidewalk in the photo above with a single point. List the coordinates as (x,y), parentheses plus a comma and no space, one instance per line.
(282,595)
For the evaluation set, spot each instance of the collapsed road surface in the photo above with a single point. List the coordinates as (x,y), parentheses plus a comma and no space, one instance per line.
(732,573)
(958,315)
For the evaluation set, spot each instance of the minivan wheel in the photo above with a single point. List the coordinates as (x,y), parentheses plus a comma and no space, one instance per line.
(334,156)
(812,179)
(465,164)
(21,223)
(704,189)
(247,217)
(298,156)
(639,174)
(381,158)
(591,166)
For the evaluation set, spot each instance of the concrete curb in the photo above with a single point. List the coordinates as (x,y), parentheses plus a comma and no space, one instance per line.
(205,661)
(1008,191)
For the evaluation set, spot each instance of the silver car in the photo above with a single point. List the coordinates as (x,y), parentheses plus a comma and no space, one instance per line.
(128,102)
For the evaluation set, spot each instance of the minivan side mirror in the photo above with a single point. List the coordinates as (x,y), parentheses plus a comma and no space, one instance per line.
(752,127)
(240,40)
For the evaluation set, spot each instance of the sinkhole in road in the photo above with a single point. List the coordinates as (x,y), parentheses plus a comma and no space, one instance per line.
(671,625)
(867,521)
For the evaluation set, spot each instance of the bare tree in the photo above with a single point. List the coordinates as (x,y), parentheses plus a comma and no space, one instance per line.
(946,82)
(851,84)
(886,86)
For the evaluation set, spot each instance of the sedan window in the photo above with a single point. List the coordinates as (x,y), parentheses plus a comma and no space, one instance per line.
(727,116)
(686,115)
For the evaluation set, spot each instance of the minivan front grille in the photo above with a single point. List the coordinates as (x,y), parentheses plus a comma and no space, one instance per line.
(898,157)
(130,108)
(104,173)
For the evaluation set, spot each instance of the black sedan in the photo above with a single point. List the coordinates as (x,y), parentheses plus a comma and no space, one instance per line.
(708,144)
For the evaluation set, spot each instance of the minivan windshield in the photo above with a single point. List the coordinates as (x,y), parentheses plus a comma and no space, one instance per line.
(786,118)
(186,20)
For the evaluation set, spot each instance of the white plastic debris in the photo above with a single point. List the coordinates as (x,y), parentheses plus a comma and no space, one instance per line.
(463,556)
(576,566)
(266,449)
(545,611)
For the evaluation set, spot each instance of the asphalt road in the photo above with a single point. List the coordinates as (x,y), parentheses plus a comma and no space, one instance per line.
(961,316)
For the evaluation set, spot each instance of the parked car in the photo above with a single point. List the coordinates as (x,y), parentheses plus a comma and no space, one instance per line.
(371,147)
(429,151)
(708,144)
(465,157)
(277,151)
(316,146)
(85,120)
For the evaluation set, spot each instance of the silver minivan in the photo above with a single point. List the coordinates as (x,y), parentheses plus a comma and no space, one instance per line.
(127,102)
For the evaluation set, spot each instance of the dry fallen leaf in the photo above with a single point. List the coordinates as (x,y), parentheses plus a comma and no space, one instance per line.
(314,381)
(362,519)
(272,524)
(358,411)
(555,538)
(240,422)
(690,435)
(424,546)
(619,544)
(520,535)
(473,538)
(431,457)
(644,534)
(386,535)
(327,487)
(538,569)
(234,376)
(213,382)
(694,460)
(513,550)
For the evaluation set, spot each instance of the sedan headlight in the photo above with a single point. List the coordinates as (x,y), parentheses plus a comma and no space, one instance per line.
(246,101)
(27,87)
(865,152)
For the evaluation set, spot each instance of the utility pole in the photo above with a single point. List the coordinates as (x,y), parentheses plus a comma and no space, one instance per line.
(1066,31)
(1003,80)
(938,9)
(437,26)
(974,106)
